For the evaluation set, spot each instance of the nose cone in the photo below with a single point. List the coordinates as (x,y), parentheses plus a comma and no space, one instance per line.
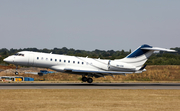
(8,59)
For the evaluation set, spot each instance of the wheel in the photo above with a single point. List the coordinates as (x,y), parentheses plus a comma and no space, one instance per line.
(84,79)
(89,80)
(16,73)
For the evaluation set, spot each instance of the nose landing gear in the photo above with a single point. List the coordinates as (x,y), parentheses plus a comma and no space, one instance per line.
(16,73)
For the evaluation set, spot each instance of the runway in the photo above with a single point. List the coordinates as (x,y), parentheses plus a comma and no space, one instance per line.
(89,86)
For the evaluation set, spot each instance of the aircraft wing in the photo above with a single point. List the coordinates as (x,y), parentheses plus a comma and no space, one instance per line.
(82,71)
(95,72)
(98,73)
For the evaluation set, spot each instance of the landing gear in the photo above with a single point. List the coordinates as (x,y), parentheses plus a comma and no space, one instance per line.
(16,73)
(89,80)
(85,79)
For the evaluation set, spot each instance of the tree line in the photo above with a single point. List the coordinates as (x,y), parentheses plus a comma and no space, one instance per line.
(161,58)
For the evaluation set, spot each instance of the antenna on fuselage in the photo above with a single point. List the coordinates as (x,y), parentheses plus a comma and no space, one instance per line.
(51,53)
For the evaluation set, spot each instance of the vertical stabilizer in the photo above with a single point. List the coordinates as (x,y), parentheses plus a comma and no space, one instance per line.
(138,57)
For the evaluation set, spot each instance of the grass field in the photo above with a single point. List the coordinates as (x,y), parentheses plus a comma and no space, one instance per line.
(89,100)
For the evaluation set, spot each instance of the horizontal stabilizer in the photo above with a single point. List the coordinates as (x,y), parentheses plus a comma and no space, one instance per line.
(157,49)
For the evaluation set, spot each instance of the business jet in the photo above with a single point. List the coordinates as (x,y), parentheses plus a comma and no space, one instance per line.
(87,67)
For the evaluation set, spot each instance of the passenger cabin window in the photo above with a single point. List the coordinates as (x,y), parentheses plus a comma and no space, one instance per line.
(78,62)
(69,61)
(64,60)
(37,58)
(51,59)
(82,62)
(46,58)
(59,60)
(74,62)
(41,58)
(55,60)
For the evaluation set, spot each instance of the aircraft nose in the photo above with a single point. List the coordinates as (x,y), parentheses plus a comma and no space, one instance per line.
(8,59)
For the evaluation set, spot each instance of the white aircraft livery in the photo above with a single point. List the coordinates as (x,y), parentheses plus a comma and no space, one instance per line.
(87,67)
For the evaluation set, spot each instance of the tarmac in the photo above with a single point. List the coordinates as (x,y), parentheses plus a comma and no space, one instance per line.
(89,86)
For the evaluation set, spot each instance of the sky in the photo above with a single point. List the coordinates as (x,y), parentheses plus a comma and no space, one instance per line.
(89,24)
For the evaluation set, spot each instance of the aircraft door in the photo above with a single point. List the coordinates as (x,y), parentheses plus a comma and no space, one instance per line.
(31,59)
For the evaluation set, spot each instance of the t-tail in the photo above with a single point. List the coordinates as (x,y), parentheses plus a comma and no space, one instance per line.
(138,57)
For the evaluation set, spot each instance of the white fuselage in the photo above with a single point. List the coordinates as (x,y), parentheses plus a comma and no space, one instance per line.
(63,62)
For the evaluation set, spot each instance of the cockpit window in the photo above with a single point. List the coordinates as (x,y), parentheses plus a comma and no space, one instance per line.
(19,54)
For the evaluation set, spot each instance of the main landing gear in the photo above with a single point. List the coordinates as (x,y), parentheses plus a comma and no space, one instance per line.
(85,79)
